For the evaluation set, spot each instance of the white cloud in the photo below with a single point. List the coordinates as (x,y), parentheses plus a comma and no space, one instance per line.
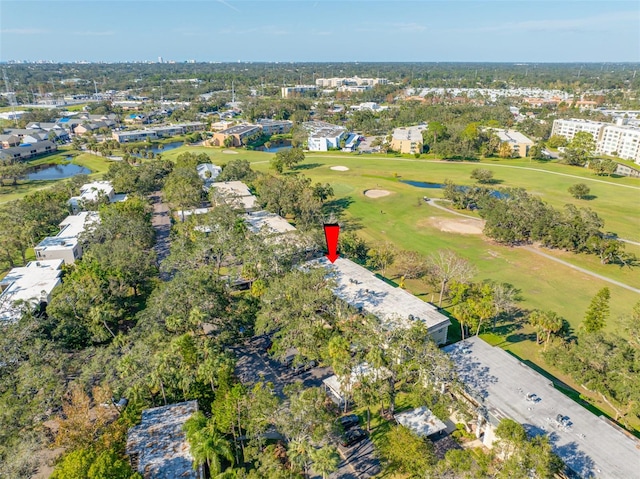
(93,33)
(24,31)
(395,27)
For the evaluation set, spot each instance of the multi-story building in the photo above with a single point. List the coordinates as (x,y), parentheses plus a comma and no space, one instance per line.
(288,91)
(66,244)
(337,82)
(27,150)
(617,139)
(408,139)
(134,136)
(324,136)
(238,135)
(519,143)
(275,127)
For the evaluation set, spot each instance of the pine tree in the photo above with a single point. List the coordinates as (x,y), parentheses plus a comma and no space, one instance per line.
(598,311)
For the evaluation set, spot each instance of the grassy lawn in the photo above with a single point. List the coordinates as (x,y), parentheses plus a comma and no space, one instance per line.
(96,164)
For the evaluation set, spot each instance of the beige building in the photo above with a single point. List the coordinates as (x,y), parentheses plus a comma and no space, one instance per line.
(238,135)
(408,139)
(520,144)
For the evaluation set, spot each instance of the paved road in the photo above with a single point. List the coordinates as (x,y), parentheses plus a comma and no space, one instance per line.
(161,221)
(550,257)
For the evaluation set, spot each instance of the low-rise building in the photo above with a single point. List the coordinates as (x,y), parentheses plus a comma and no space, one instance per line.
(235,136)
(235,194)
(394,307)
(92,192)
(519,143)
(408,139)
(208,172)
(9,141)
(27,151)
(28,287)
(268,223)
(66,244)
(275,127)
(421,421)
(134,136)
(158,447)
(500,386)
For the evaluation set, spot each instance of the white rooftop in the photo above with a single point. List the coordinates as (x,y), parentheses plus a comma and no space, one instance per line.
(93,191)
(208,172)
(238,193)
(70,229)
(409,132)
(395,307)
(269,223)
(589,445)
(31,283)
(421,421)
(512,136)
(359,372)
(160,443)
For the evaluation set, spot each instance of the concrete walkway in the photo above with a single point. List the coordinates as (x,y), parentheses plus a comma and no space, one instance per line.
(161,221)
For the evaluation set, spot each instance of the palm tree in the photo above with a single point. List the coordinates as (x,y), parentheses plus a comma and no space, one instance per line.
(325,460)
(299,452)
(206,444)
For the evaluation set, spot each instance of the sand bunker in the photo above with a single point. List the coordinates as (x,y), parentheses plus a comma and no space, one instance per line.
(376,193)
(339,168)
(465,226)
(230,152)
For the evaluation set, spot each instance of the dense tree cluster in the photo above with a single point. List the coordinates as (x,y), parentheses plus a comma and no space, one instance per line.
(515,217)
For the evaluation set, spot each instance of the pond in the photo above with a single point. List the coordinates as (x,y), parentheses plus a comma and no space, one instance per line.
(156,149)
(57,172)
(423,184)
(275,149)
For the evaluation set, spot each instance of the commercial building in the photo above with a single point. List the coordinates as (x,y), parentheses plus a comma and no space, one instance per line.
(394,307)
(158,447)
(66,245)
(28,286)
(501,386)
(618,139)
(408,139)
(235,136)
(519,143)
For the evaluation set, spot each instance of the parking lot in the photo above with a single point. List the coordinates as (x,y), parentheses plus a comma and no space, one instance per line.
(254,365)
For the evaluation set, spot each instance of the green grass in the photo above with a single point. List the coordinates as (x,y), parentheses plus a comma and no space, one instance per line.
(96,164)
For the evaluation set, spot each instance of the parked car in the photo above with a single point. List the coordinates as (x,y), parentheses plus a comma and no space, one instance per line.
(347,422)
(301,368)
(353,436)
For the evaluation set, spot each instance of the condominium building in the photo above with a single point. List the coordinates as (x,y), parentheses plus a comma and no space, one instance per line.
(617,139)
(519,143)
(238,135)
(324,136)
(408,139)
(289,91)
(66,244)
(337,82)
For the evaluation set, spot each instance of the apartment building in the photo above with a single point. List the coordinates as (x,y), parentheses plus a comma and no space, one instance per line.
(275,127)
(238,135)
(289,91)
(408,139)
(618,139)
(337,82)
(519,143)
(66,244)
(324,136)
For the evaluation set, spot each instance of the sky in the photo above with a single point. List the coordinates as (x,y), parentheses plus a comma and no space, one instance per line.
(321,30)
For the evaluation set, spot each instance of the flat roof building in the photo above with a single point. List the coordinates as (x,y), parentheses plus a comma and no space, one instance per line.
(235,136)
(519,143)
(504,387)
(92,192)
(66,245)
(421,421)
(269,223)
(289,91)
(158,447)
(324,136)
(236,194)
(408,139)
(395,307)
(32,284)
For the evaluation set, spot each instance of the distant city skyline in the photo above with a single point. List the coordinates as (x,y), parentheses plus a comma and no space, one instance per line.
(320,31)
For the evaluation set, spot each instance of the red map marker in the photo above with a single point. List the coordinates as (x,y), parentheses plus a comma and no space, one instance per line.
(331,233)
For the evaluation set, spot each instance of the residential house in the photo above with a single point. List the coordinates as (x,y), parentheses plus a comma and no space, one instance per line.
(93,192)
(8,141)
